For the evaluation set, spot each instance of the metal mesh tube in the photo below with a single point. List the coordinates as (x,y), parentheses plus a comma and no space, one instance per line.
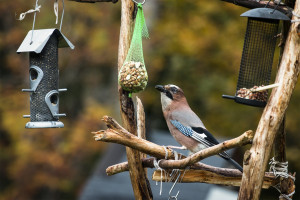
(258,53)
(47,61)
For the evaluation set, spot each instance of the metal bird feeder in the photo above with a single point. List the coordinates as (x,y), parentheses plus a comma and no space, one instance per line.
(42,46)
(257,57)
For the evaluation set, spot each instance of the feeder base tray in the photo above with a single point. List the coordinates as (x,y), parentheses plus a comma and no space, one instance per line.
(46,124)
(248,102)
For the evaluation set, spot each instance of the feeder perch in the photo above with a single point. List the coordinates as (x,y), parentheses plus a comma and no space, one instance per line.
(257,56)
(42,46)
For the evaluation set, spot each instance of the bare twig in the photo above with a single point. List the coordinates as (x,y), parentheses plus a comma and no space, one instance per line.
(94,1)
(148,163)
(260,4)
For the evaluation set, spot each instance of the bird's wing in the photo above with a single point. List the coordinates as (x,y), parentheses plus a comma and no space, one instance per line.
(186,117)
(199,134)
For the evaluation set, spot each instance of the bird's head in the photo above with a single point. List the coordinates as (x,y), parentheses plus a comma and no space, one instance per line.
(170,94)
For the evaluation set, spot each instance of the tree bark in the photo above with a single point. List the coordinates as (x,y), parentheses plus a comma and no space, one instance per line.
(138,177)
(272,116)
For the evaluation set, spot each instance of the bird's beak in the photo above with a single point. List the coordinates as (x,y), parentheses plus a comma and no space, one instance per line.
(160,88)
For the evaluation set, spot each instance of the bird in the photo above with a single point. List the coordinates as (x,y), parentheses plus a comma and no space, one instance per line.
(184,125)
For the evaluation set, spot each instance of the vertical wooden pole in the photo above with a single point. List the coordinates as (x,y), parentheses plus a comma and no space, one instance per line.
(280,139)
(279,143)
(140,184)
(272,116)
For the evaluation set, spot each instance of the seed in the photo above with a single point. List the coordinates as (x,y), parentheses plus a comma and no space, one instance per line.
(133,76)
(248,94)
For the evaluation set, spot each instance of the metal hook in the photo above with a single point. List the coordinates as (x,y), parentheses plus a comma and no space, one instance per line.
(267,3)
(138,2)
(276,7)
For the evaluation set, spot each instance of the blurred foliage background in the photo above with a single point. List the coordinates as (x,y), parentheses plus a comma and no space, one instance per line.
(196,45)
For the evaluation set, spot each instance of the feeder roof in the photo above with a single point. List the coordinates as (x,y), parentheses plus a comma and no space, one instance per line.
(265,13)
(40,39)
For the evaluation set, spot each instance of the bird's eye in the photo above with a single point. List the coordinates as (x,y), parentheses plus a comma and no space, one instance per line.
(174,89)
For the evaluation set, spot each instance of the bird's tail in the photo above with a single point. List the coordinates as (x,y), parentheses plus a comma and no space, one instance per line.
(234,163)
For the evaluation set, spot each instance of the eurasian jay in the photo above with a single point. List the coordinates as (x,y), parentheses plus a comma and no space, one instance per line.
(184,125)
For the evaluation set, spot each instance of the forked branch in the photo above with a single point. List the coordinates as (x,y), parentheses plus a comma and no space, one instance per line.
(117,134)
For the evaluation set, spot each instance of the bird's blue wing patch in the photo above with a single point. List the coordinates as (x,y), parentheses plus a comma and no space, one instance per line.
(195,133)
(183,129)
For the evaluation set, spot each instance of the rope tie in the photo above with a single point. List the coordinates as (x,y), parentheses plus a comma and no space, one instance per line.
(157,167)
(280,169)
(167,152)
(176,173)
(23,15)
(296,15)
(56,10)
(287,196)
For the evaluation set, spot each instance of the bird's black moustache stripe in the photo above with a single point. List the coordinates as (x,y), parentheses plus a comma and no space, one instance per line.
(168,94)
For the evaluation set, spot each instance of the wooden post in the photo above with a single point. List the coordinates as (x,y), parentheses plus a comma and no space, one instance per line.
(280,139)
(138,177)
(272,116)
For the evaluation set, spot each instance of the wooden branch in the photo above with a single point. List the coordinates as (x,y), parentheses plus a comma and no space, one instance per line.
(267,87)
(139,181)
(94,1)
(117,134)
(149,163)
(202,173)
(243,139)
(141,127)
(261,4)
(202,176)
(272,116)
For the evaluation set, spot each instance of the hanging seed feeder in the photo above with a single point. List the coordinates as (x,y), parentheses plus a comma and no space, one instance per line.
(257,57)
(42,46)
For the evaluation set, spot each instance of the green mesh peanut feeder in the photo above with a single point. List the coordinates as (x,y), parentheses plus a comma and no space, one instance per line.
(133,75)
